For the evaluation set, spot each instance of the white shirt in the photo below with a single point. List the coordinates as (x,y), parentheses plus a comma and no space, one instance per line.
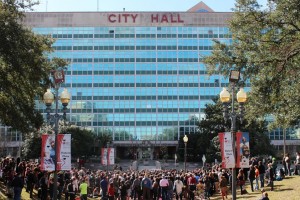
(178,186)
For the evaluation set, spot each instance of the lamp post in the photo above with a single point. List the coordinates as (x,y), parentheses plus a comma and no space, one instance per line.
(107,158)
(185,140)
(49,98)
(225,99)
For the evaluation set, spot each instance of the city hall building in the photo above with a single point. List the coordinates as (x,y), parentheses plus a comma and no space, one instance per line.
(138,76)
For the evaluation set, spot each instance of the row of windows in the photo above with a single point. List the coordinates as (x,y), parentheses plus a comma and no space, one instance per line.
(146,85)
(138,97)
(132,123)
(138,72)
(96,60)
(137,110)
(112,35)
(195,97)
(121,48)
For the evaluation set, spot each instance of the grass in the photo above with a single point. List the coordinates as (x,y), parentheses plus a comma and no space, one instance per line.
(287,189)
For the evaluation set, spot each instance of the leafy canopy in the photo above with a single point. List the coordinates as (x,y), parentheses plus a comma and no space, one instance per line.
(24,67)
(266,48)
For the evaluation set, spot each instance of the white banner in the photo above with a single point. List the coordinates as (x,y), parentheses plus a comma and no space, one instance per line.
(228,160)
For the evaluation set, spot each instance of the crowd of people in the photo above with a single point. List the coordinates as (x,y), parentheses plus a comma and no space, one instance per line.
(125,185)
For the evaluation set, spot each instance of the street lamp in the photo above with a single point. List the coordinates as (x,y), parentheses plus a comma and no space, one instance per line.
(185,140)
(225,99)
(49,98)
(107,158)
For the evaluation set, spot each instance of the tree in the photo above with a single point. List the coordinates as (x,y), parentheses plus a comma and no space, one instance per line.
(24,68)
(214,123)
(266,49)
(32,146)
(82,140)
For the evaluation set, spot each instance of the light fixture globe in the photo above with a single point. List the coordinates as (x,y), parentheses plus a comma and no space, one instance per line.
(241,96)
(185,139)
(65,96)
(224,96)
(48,97)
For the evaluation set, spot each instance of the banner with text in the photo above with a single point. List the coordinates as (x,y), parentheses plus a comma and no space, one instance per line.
(48,153)
(228,160)
(108,155)
(243,150)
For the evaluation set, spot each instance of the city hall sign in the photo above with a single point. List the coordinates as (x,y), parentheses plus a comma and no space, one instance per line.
(153,18)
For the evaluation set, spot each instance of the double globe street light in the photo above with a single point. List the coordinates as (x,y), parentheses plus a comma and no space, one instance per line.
(49,98)
(225,99)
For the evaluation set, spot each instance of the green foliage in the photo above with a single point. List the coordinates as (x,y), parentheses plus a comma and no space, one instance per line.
(266,48)
(213,123)
(32,146)
(24,68)
(81,141)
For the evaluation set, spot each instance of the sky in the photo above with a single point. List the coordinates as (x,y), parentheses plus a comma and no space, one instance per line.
(130,5)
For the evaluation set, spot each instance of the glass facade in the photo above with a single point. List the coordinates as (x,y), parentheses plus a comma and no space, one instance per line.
(138,83)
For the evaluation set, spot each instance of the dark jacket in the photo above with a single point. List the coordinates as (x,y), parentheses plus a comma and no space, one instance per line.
(17,182)
(252,174)
(261,169)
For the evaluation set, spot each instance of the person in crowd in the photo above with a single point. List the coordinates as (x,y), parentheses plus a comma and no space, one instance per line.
(30,181)
(207,186)
(274,165)
(136,187)
(256,177)
(111,191)
(123,190)
(251,177)
(104,188)
(288,164)
(83,188)
(164,183)
(271,176)
(191,182)
(44,186)
(178,188)
(241,180)
(223,186)
(72,189)
(18,184)
(265,196)
(155,188)
(146,187)
(297,163)
(262,171)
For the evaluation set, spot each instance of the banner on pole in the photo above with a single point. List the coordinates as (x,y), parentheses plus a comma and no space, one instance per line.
(108,155)
(228,160)
(48,153)
(243,150)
